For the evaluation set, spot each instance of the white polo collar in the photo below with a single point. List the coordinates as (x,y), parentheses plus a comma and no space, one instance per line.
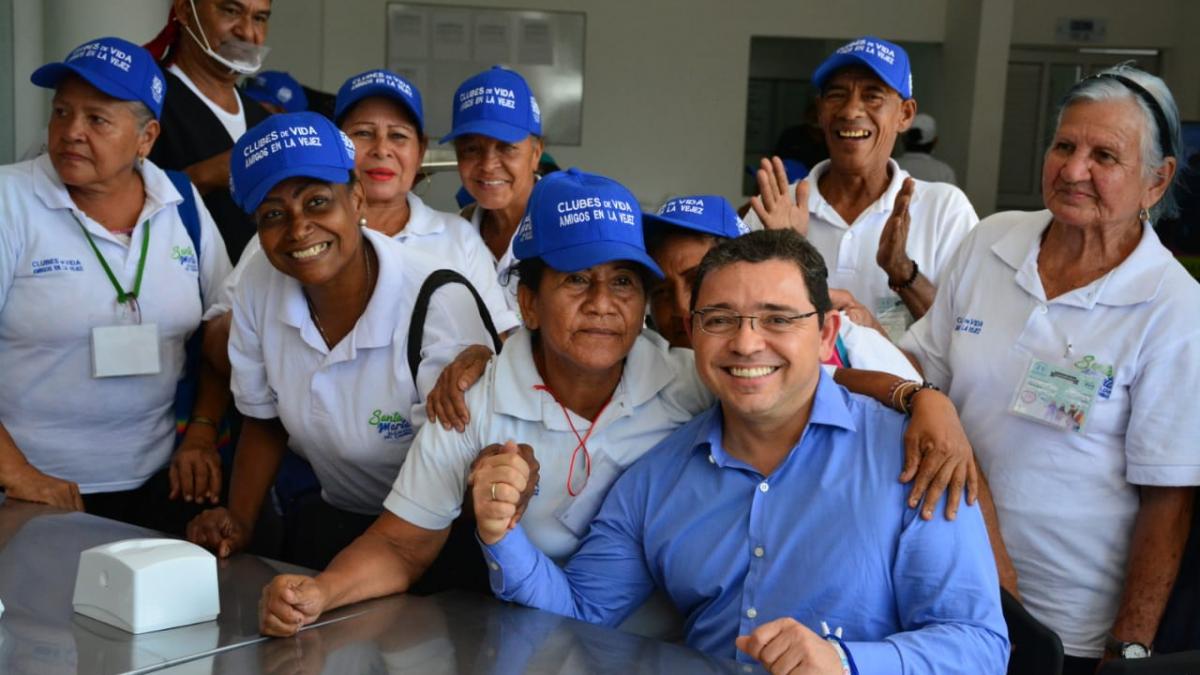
(823,210)
(422,220)
(647,371)
(50,190)
(1136,280)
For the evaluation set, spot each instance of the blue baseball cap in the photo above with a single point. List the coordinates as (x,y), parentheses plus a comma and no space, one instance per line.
(707,214)
(576,220)
(888,60)
(496,103)
(285,146)
(116,67)
(277,88)
(380,83)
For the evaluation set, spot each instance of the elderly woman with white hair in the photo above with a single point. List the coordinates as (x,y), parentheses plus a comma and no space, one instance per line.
(1063,337)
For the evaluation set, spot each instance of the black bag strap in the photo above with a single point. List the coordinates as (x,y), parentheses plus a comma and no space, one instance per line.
(416,327)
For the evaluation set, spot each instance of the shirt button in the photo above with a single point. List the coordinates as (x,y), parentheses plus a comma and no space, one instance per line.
(1043,309)
(712,460)
(752,612)
(763,487)
(494,566)
(758,552)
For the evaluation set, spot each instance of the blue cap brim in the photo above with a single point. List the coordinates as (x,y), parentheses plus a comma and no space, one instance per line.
(583,256)
(331,174)
(839,61)
(501,131)
(50,75)
(343,106)
(652,221)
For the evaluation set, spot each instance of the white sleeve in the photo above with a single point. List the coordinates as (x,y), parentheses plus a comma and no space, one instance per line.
(956,220)
(1162,441)
(481,272)
(428,492)
(224,300)
(251,391)
(214,259)
(451,325)
(928,340)
(868,349)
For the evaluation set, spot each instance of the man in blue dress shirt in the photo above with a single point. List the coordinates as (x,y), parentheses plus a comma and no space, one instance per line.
(774,513)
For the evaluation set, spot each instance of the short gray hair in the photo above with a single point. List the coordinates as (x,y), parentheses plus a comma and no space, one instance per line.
(1106,85)
(141,114)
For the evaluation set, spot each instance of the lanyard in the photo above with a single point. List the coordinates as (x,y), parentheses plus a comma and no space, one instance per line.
(587,458)
(122,296)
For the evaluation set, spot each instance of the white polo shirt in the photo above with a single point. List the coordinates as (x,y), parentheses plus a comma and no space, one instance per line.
(351,411)
(940,215)
(868,349)
(658,392)
(446,240)
(1067,500)
(106,434)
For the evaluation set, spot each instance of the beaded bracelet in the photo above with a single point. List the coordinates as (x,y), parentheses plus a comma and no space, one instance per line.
(896,288)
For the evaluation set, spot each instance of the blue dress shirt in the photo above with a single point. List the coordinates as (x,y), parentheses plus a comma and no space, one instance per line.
(828,536)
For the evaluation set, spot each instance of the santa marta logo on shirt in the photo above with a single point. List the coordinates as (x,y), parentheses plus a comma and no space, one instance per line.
(391,426)
(186,257)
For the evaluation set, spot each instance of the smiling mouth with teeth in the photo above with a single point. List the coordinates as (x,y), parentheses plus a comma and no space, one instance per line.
(854,133)
(760,371)
(310,251)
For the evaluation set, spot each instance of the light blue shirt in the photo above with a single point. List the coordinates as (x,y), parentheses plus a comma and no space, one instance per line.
(826,537)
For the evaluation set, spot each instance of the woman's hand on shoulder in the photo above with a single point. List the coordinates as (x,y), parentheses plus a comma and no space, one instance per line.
(446,402)
(938,455)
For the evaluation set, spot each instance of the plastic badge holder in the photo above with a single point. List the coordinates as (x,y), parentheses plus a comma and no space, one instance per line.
(143,585)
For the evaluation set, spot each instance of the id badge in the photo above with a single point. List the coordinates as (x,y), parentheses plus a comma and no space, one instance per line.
(893,315)
(119,351)
(1059,396)
(576,513)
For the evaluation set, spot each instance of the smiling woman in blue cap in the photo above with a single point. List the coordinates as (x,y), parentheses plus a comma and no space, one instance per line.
(106,264)
(320,341)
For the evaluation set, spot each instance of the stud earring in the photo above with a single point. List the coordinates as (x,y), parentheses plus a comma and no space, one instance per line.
(362,222)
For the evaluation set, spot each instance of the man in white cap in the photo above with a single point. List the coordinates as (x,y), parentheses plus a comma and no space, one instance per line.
(918,159)
(885,236)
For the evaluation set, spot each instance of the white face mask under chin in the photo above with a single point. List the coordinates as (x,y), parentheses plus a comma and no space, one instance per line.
(245,58)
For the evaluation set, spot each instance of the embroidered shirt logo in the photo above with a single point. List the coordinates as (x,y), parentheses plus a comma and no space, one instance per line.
(186,256)
(46,265)
(391,426)
(965,324)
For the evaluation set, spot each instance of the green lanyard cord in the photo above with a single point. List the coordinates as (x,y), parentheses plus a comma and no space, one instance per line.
(122,296)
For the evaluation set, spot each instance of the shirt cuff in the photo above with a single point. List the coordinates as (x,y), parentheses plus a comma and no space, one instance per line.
(509,560)
(260,411)
(1164,475)
(407,509)
(871,658)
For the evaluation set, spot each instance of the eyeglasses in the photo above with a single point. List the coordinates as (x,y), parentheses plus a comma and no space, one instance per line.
(726,322)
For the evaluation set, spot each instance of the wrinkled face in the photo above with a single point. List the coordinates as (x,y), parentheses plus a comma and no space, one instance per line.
(861,117)
(587,321)
(1093,174)
(496,173)
(678,254)
(758,374)
(309,228)
(225,20)
(388,148)
(94,138)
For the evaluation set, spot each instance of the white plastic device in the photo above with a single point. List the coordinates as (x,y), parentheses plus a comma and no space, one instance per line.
(143,585)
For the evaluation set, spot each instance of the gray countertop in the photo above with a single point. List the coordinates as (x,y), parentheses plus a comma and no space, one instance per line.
(445,633)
